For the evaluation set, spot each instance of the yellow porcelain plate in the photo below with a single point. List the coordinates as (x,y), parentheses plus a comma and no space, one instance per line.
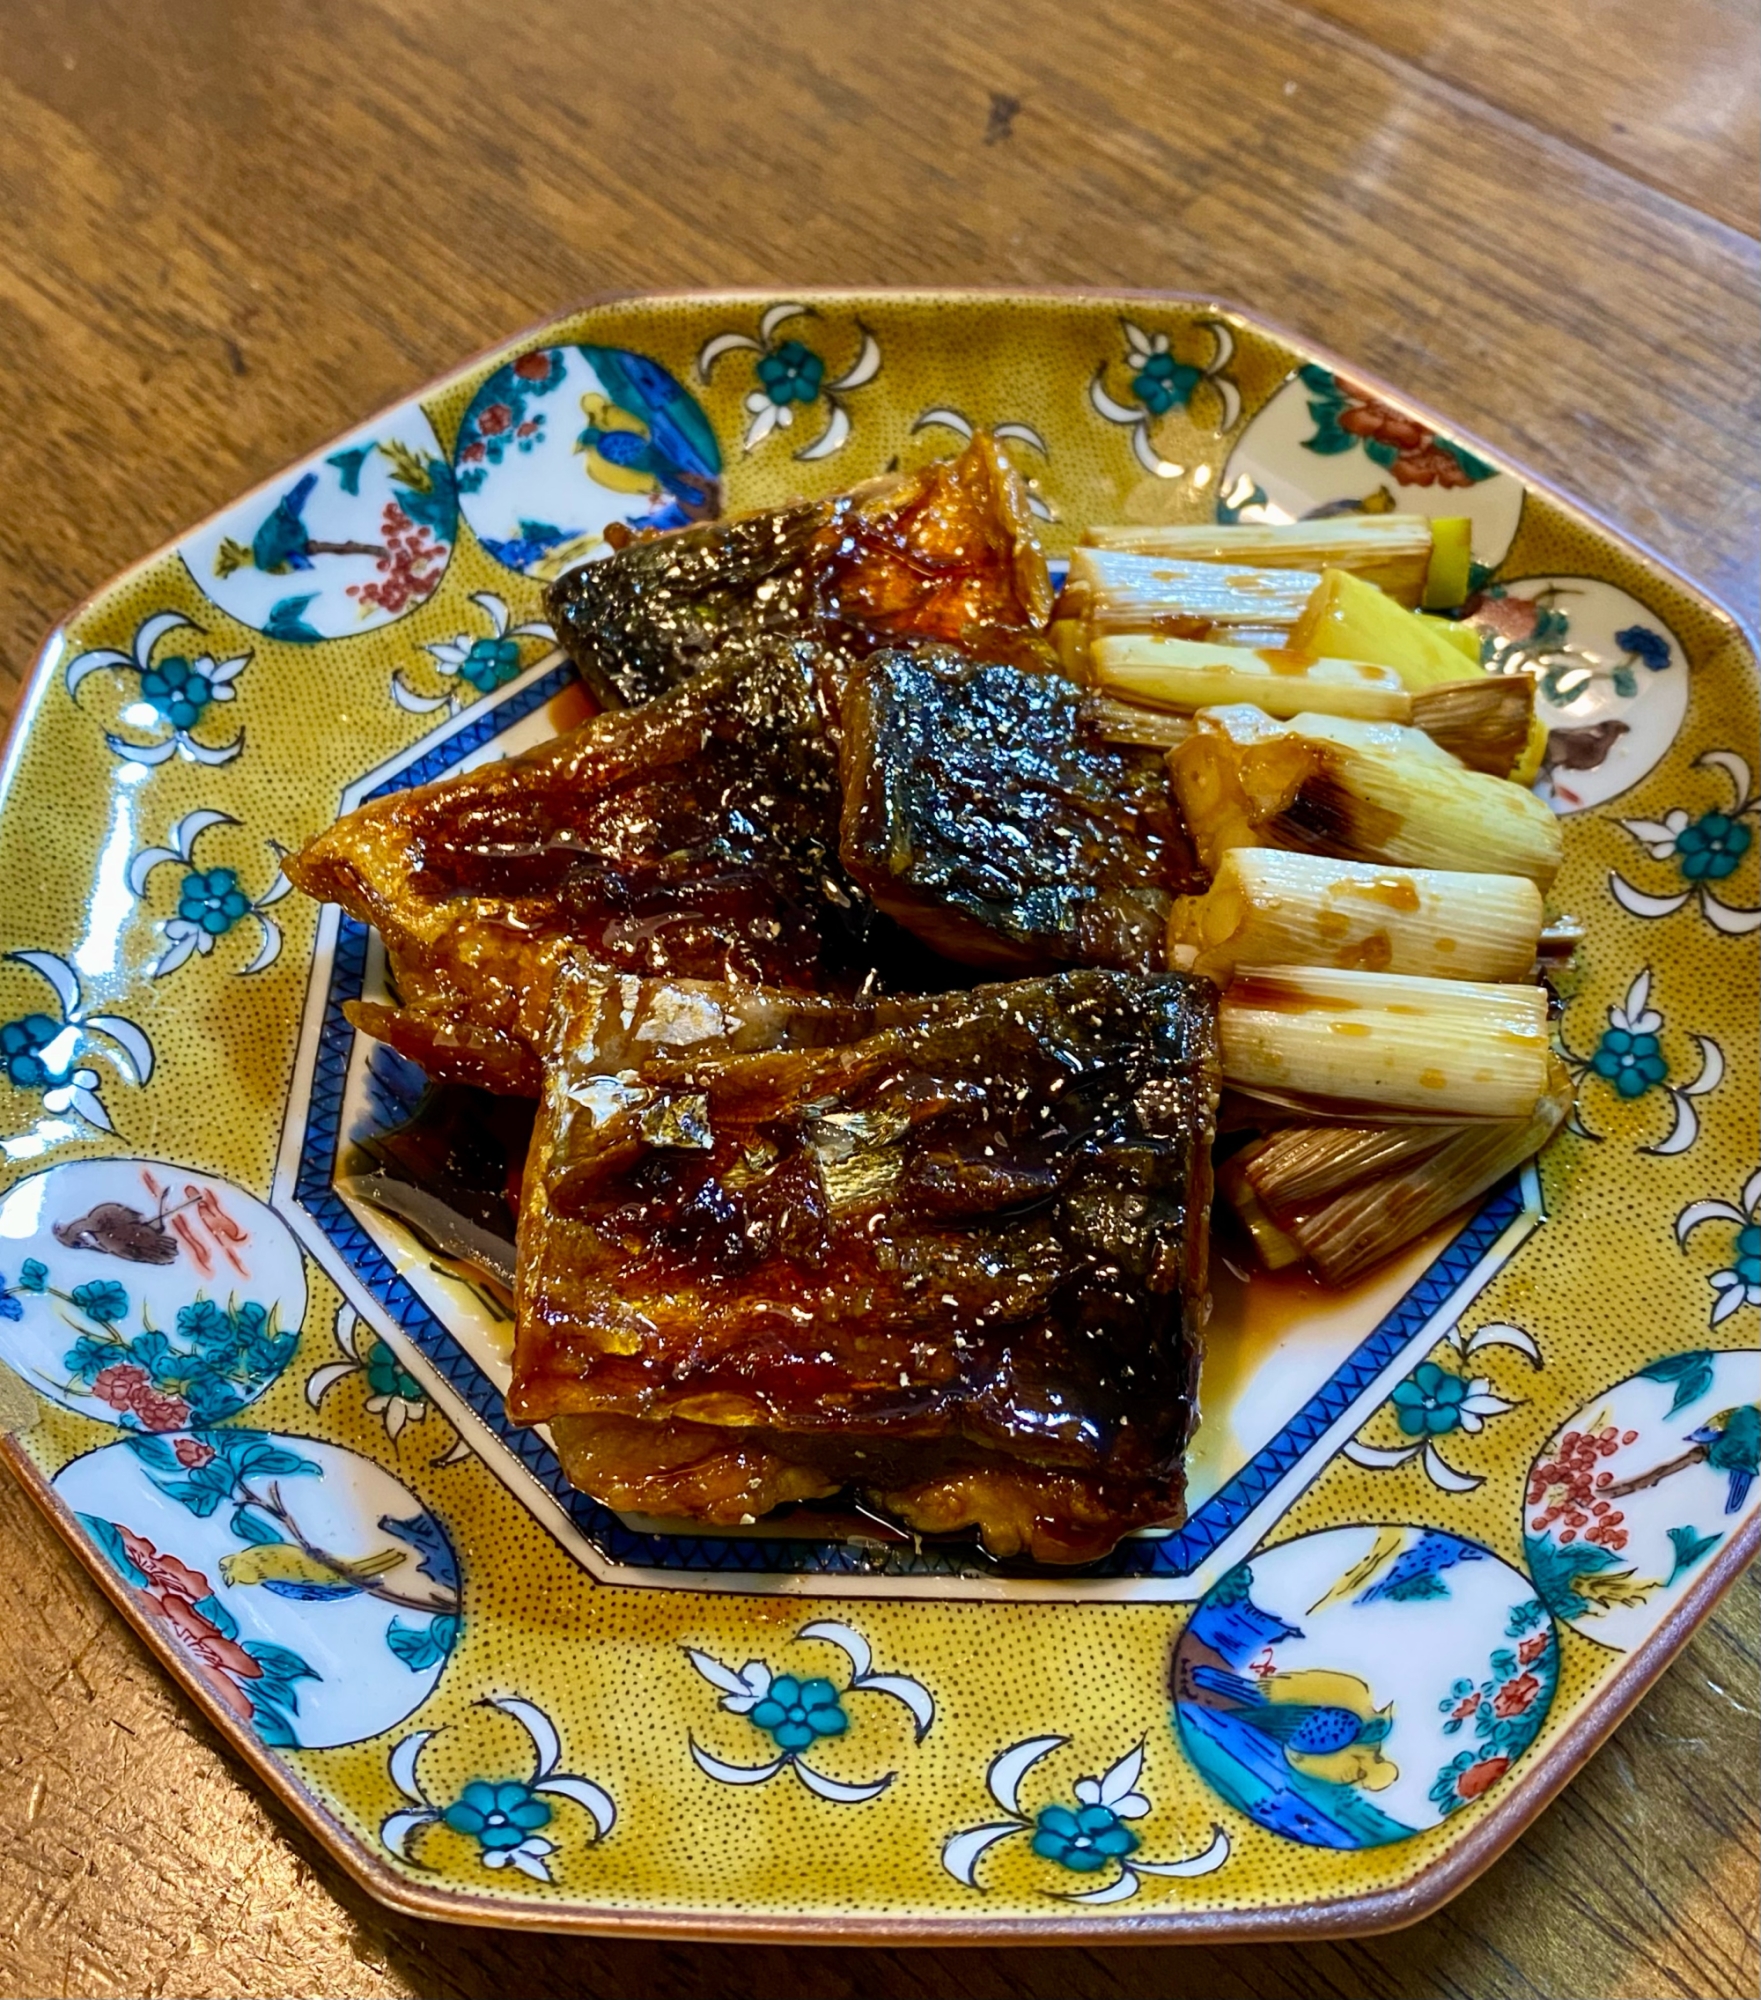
(1444,1529)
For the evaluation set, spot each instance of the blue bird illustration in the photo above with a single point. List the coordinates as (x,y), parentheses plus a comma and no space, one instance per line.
(282,542)
(1730,1443)
(1310,1726)
(646,435)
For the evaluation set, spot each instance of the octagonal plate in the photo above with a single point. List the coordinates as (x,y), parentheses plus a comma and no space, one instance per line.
(1436,1515)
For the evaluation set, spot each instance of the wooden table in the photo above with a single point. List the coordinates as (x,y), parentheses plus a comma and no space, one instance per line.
(228,231)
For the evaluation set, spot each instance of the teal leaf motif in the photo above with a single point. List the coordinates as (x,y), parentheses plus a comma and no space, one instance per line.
(1691,1374)
(423,1646)
(251,1527)
(1689,1545)
(1555,1570)
(109,1538)
(272,1727)
(218,1616)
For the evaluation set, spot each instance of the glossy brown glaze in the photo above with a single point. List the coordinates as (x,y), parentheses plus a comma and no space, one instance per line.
(696,835)
(945,553)
(983,814)
(970,1243)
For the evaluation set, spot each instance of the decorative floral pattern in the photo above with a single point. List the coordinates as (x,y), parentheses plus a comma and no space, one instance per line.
(503,1816)
(42,1052)
(1738,1283)
(791,376)
(393,1395)
(210,902)
(1088,1836)
(256,1679)
(1436,1402)
(1704,849)
(177,694)
(1161,381)
(1346,419)
(1506,1709)
(215,1361)
(798,1714)
(482,662)
(1629,1058)
(1617,1502)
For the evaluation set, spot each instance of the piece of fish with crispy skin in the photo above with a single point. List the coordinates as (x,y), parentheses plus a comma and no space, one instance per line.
(985,815)
(958,1263)
(945,553)
(696,835)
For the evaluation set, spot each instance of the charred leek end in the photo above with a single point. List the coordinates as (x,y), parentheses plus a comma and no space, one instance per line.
(1483,721)
(1114,591)
(1267,907)
(1370,1216)
(1359,791)
(1116,721)
(1192,673)
(1392,551)
(1349,619)
(1452,560)
(1447,1047)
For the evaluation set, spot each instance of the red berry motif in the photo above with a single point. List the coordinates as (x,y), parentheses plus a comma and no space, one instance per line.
(1563,1489)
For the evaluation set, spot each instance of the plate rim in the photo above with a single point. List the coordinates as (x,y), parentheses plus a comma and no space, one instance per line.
(1438,1881)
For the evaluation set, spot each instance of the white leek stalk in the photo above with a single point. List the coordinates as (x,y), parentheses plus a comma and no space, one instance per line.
(1359,791)
(1392,551)
(1448,1047)
(1266,906)
(1196,673)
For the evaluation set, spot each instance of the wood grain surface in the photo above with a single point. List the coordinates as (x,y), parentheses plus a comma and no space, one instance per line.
(227,231)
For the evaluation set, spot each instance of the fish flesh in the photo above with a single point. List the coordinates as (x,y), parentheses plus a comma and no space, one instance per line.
(944,553)
(983,813)
(696,836)
(949,1252)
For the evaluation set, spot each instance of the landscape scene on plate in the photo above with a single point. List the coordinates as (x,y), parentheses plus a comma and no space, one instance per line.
(920,924)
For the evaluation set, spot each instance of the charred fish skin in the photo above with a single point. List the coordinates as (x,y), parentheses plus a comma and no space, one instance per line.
(947,552)
(695,835)
(966,1245)
(664,607)
(980,812)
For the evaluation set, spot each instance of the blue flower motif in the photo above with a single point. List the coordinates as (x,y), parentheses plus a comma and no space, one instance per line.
(22,1043)
(1428,1402)
(212,900)
(797,1713)
(1644,644)
(490,664)
(103,1300)
(1709,848)
(790,373)
(497,1816)
(385,1377)
(1162,383)
(10,1308)
(1083,1840)
(1748,1257)
(1632,1063)
(179,689)
(33,1276)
